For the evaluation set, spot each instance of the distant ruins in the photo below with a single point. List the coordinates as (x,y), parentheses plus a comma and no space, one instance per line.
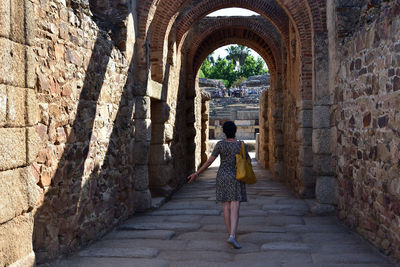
(240,105)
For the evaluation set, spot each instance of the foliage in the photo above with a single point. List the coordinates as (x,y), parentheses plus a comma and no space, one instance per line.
(238,54)
(238,65)
(238,81)
(201,74)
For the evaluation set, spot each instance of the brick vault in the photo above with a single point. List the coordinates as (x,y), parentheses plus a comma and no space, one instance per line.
(100,111)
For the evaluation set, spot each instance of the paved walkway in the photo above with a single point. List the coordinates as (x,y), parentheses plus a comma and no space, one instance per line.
(275,229)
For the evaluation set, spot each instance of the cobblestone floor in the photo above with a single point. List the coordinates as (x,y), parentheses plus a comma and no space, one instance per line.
(275,229)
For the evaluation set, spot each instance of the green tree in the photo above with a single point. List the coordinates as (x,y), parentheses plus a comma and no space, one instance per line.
(226,69)
(252,67)
(206,68)
(238,54)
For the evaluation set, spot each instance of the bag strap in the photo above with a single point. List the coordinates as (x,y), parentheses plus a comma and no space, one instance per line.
(242,150)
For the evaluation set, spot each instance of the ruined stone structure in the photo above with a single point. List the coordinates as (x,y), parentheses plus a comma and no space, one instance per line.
(243,110)
(101,111)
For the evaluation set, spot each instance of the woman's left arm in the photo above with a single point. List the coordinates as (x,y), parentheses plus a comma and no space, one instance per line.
(206,164)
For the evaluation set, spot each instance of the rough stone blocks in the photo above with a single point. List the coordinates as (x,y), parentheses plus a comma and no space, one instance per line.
(15,106)
(306,156)
(160,174)
(12,148)
(143,130)
(158,134)
(30,23)
(142,107)
(305,118)
(18,21)
(16,237)
(140,153)
(304,136)
(13,195)
(5,15)
(30,68)
(306,175)
(142,200)
(140,177)
(160,154)
(321,141)
(3,104)
(32,108)
(321,116)
(33,144)
(326,190)
(322,165)
(12,63)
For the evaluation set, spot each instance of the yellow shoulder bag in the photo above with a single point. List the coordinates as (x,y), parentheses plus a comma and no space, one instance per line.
(244,170)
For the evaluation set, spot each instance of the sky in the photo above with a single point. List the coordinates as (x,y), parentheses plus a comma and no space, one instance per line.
(231,12)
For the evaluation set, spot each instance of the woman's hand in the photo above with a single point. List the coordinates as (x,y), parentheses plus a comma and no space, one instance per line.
(191,178)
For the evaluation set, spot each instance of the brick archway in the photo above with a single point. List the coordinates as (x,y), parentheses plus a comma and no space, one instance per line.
(304,14)
(256,33)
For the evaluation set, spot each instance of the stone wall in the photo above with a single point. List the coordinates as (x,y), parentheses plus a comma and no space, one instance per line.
(19,140)
(366,140)
(86,110)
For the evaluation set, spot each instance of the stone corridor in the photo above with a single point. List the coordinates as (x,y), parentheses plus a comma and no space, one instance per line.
(275,229)
(101,112)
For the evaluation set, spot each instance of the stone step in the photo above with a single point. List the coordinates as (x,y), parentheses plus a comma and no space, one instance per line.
(160,226)
(119,252)
(140,234)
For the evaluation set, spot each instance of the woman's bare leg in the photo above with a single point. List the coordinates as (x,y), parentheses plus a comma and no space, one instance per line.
(227,216)
(234,207)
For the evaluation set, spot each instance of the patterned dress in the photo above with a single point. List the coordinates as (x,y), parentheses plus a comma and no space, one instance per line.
(227,187)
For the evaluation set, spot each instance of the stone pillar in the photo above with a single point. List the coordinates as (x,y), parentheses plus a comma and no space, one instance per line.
(205,112)
(190,133)
(258,146)
(160,164)
(304,169)
(326,184)
(264,131)
(141,148)
(19,142)
(275,121)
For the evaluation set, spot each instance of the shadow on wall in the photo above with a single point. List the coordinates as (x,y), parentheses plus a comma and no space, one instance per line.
(85,200)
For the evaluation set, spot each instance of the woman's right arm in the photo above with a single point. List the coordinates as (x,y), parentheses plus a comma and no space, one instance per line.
(206,164)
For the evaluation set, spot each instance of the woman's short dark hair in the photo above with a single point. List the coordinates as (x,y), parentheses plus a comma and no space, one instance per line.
(229,129)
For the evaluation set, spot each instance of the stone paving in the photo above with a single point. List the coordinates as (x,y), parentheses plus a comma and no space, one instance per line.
(275,229)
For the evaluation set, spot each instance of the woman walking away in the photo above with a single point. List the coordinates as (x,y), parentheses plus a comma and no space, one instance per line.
(229,191)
